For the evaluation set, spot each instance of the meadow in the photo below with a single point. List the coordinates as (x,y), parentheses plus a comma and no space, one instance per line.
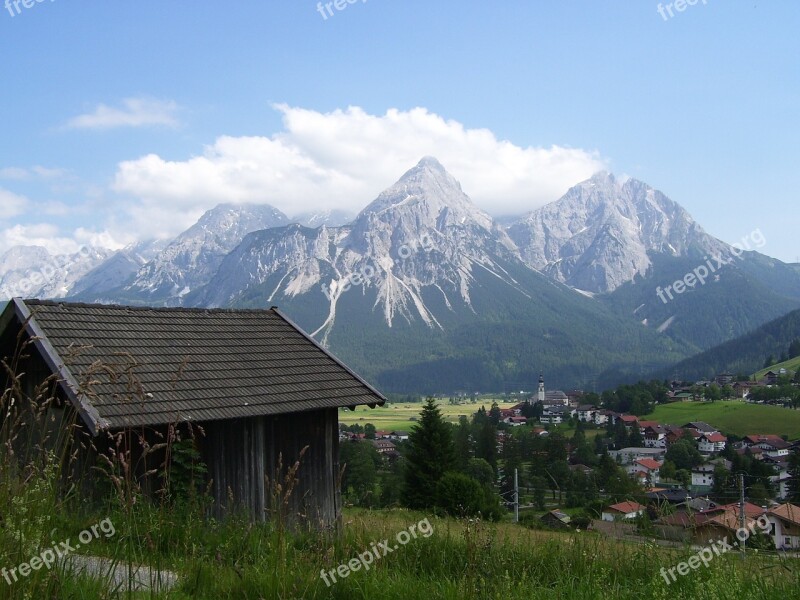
(400,416)
(791,365)
(238,559)
(732,417)
(459,559)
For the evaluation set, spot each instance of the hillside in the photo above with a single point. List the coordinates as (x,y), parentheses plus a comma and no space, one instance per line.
(732,417)
(791,365)
(744,354)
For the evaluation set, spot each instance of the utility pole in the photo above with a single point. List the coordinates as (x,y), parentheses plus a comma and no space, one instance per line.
(741,512)
(516,497)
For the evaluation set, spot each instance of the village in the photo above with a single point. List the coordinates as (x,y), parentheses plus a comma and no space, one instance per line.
(688,480)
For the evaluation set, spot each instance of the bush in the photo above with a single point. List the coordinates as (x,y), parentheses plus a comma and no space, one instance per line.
(462,496)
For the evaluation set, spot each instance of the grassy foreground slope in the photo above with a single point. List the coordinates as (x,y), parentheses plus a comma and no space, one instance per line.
(459,560)
(448,559)
(734,416)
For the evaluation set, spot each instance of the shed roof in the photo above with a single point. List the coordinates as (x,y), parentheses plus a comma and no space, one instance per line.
(179,364)
(626,507)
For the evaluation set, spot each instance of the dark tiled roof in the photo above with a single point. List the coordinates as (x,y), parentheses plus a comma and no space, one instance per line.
(189,364)
(700,426)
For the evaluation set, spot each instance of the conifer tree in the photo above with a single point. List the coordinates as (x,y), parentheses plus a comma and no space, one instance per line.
(430,455)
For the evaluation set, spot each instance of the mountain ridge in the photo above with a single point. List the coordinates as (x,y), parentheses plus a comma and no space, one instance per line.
(428,281)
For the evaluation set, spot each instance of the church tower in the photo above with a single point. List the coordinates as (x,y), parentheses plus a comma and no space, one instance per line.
(541,387)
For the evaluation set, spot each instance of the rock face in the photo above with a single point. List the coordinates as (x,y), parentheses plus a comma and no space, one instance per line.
(602,233)
(421,237)
(193,258)
(117,270)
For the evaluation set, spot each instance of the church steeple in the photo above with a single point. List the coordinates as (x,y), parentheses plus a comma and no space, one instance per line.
(541,387)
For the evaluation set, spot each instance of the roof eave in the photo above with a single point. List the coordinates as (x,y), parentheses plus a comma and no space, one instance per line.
(66,381)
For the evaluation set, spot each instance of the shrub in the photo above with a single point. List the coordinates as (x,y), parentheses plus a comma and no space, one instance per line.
(462,496)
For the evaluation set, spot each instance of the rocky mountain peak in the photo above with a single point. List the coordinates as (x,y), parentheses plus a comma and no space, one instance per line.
(426,195)
(602,233)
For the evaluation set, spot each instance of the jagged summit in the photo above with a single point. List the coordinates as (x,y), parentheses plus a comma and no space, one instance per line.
(191,260)
(427,194)
(602,232)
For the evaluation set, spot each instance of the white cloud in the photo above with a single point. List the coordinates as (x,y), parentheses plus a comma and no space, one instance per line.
(50,173)
(49,237)
(98,239)
(13,204)
(38,171)
(344,159)
(135,112)
(39,234)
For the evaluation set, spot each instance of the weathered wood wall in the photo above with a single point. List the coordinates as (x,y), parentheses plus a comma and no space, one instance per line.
(243,457)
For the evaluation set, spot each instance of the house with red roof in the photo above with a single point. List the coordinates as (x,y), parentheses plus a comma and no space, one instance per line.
(676,433)
(645,424)
(647,469)
(726,522)
(710,443)
(773,446)
(622,511)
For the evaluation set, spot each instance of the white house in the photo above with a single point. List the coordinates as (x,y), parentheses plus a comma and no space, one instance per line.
(622,511)
(648,467)
(773,446)
(601,417)
(586,413)
(785,521)
(555,414)
(782,476)
(703,476)
(710,443)
(628,456)
(655,436)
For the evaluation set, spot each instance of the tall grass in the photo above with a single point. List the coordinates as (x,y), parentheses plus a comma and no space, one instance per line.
(43,501)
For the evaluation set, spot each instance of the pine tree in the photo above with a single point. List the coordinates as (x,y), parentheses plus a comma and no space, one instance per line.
(431,454)
(486,443)
(462,441)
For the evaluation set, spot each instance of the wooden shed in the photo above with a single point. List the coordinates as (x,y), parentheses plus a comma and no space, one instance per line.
(258,388)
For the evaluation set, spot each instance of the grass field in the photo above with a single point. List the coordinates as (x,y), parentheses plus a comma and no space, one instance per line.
(397,416)
(790,365)
(734,417)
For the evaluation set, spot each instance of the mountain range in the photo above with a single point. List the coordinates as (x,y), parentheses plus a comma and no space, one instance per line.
(424,292)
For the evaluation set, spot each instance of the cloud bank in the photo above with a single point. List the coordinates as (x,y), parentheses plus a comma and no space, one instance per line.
(343,160)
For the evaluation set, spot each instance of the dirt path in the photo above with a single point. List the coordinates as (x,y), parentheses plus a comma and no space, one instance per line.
(118,574)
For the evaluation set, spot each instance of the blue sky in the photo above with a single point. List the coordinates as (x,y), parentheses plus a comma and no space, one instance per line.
(126,120)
